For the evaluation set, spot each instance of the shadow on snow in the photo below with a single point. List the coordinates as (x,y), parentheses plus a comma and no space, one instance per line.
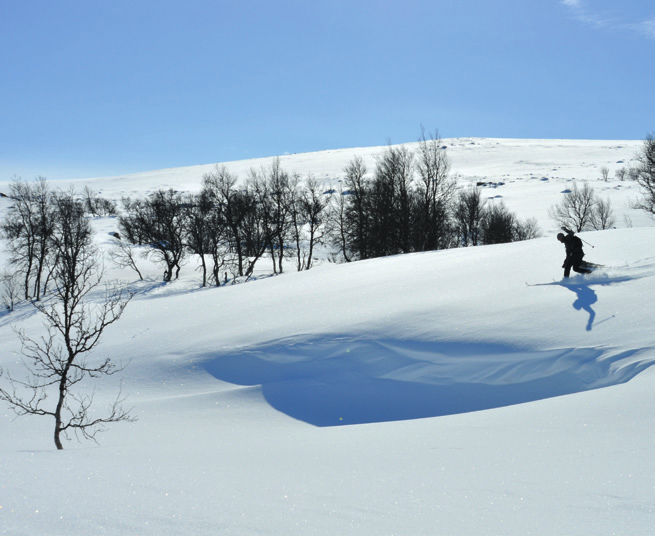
(586,296)
(333,381)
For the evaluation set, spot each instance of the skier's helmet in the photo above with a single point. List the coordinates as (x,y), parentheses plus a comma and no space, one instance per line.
(560,237)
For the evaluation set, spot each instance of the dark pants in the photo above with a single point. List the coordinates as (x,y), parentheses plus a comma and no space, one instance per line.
(574,261)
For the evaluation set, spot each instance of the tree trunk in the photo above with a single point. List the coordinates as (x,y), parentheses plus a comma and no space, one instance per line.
(60,404)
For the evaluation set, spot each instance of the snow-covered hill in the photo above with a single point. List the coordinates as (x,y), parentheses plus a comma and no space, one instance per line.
(425,394)
(533,173)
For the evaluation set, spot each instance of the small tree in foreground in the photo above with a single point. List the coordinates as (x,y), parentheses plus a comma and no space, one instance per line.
(59,361)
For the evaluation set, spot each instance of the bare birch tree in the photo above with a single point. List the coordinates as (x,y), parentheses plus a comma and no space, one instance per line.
(644,175)
(75,319)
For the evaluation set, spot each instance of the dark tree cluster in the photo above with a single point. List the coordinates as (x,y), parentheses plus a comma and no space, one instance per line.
(30,231)
(28,228)
(228,225)
(479,222)
(411,204)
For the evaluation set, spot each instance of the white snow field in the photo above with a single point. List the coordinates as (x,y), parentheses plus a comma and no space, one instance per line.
(424,394)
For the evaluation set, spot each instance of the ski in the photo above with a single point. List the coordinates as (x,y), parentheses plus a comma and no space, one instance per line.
(553,282)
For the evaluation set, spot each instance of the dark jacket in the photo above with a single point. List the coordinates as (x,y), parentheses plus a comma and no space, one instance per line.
(573,246)
(574,254)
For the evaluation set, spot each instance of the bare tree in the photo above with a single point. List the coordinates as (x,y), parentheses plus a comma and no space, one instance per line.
(9,290)
(337,223)
(391,202)
(197,221)
(27,227)
(644,175)
(436,191)
(123,256)
(59,361)
(233,204)
(602,216)
(96,205)
(260,225)
(157,222)
(308,219)
(576,209)
(282,190)
(352,208)
(498,224)
(469,214)
(527,229)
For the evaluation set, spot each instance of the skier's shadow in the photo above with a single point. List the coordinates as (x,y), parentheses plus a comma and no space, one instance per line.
(586,297)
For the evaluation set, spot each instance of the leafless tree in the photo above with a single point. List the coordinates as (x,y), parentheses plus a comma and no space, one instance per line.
(644,175)
(602,216)
(75,320)
(498,224)
(351,212)
(436,191)
(282,190)
(123,255)
(308,216)
(391,199)
(197,228)
(576,209)
(233,204)
(96,205)
(337,223)
(157,222)
(469,214)
(9,290)
(527,229)
(260,225)
(27,227)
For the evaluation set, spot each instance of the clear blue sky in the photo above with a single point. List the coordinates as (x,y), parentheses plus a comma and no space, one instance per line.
(94,88)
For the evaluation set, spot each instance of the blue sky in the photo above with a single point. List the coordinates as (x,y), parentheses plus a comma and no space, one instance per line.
(114,87)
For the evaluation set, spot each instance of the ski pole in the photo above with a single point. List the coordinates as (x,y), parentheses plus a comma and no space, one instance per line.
(567,230)
(592,247)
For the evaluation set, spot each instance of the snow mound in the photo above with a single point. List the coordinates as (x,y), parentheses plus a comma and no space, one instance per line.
(331,382)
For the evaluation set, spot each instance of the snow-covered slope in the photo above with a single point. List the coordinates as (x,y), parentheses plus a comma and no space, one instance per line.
(425,394)
(533,173)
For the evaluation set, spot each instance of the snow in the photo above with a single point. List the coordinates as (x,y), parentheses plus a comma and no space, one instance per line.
(422,394)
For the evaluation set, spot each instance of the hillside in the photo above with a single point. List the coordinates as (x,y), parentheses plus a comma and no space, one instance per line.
(432,393)
(533,172)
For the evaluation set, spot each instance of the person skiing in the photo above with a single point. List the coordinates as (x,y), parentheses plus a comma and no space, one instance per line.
(574,253)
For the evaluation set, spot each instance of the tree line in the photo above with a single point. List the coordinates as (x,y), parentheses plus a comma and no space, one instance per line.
(409,204)
(228,226)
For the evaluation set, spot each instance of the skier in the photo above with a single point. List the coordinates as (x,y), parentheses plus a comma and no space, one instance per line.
(574,253)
